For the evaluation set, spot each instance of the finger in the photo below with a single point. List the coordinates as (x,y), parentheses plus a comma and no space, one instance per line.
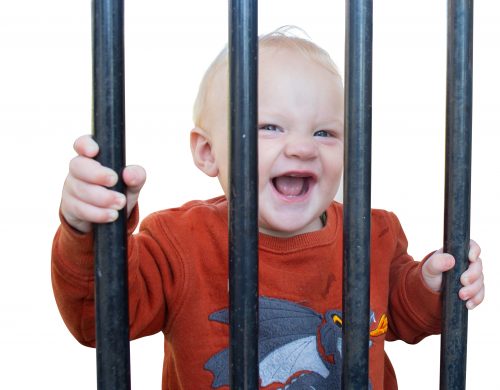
(474,251)
(476,300)
(86,146)
(433,268)
(471,290)
(91,171)
(439,263)
(134,177)
(94,195)
(472,273)
(81,215)
(88,213)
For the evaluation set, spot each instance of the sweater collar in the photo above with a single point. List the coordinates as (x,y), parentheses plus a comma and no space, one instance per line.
(324,236)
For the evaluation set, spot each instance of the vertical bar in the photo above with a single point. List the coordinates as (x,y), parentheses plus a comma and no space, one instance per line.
(357,192)
(243,202)
(457,190)
(112,333)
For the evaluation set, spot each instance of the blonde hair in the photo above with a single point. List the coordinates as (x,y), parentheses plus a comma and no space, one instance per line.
(283,37)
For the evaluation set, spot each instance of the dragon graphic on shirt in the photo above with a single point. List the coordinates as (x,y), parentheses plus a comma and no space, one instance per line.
(298,348)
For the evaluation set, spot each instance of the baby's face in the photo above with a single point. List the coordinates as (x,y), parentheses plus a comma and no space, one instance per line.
(301,142)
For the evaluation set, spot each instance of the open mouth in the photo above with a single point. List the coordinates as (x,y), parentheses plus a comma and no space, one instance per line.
(292,185)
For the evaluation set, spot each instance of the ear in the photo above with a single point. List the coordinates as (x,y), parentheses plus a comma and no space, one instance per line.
(201,150)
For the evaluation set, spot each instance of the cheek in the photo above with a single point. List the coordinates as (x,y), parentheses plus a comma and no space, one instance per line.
(263,176)
(334,168)
(264,164)
(223,170)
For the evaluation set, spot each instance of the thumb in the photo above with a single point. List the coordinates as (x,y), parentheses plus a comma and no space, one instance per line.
(134,177)
(433,268)
(86,146)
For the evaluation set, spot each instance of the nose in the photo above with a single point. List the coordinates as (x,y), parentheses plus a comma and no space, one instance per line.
(302,147)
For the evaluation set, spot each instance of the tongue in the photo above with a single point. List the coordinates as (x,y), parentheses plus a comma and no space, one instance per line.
(290,185)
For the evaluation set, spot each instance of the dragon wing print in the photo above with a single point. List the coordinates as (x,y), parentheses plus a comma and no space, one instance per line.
(298,348)
(300,356)
(287,343)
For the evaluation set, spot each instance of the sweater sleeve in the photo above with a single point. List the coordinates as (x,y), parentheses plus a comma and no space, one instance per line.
(73,281)
(414,309)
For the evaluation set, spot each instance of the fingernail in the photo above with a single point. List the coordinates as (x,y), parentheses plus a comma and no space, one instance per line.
(473,254)
(470,305)
(111,179)
(113,215)
(120,201)
(93,148)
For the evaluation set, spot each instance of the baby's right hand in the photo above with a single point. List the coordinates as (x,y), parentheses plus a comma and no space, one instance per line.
(85,198)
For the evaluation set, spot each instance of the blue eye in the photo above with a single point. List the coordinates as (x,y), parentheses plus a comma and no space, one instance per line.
(322,133)
(269,127)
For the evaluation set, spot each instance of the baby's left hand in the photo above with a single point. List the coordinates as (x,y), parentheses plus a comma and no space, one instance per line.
(472,279)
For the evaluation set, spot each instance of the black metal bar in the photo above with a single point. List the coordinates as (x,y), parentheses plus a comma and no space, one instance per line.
(112,329)
(457,190)
(357,192)
(243,202)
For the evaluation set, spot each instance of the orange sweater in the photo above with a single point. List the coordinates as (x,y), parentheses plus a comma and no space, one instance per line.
(178,282)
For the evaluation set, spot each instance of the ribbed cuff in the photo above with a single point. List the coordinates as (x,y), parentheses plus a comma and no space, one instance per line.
(76,249)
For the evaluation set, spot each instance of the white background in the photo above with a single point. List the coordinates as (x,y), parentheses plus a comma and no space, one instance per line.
(45,100)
